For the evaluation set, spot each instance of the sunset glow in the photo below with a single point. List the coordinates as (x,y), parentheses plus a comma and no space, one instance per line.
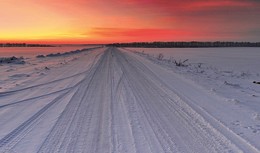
(106,21)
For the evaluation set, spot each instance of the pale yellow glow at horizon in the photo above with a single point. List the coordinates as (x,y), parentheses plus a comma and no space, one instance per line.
(84,21)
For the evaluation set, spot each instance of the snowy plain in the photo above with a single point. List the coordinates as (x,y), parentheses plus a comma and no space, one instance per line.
(126,100)
(30,52)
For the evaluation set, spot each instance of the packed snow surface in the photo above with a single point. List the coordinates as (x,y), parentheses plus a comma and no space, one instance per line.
(115,100)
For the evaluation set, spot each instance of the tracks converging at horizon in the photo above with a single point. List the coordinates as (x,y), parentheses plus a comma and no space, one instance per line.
(117,105)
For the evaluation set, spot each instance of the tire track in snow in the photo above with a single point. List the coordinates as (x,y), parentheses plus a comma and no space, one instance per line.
(54,92)
(51,82)
(206,136)
(33,98)
(161,141)
(120,119)
(89,128)
(217,126)
(60,139)
(122,106)
(11,139)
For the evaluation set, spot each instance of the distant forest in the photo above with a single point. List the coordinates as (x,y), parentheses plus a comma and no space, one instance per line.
(23,45)
(192,44)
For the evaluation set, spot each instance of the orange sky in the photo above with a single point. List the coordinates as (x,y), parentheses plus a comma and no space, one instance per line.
(106,21)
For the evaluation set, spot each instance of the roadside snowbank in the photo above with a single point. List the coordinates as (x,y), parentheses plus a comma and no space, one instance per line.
(67,53)
(12,60)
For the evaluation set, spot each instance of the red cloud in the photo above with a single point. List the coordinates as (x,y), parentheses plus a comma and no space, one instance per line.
(128,34)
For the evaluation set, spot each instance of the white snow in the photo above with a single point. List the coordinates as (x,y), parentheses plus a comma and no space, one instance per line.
(224,76)
(234,59)
(115,100)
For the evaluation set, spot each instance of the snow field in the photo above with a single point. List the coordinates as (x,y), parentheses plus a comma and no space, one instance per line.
(113,100)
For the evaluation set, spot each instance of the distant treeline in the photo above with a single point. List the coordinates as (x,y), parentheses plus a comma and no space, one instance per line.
(23,45)
(192,44)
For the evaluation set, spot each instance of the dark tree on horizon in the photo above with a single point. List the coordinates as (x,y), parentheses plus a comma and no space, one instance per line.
(191,44)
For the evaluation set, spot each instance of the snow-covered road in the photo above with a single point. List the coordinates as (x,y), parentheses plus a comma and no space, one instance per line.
(115,103)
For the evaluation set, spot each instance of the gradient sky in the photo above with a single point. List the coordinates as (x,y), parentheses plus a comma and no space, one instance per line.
(106,21)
